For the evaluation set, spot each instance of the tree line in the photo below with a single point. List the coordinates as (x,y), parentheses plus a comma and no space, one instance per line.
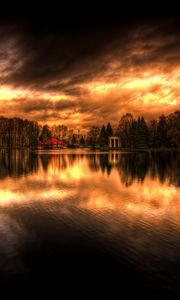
(158,133)
(131,166)
(17,133)
(136,133)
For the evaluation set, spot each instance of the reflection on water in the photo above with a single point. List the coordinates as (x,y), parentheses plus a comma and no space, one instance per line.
(81,207)
(131,166)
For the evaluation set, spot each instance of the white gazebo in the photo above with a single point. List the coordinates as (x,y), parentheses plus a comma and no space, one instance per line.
(114,142)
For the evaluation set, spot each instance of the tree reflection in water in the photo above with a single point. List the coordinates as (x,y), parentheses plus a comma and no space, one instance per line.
(62,207)
(130,166)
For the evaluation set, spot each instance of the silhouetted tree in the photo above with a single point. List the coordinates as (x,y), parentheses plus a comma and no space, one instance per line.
(16,132)
(73,140)
(153,142)
(82,141)
(133,142)
(142,134)
(162,132)
(109,132)
(45,134)
(103,136)
(93,135)
(173,129)
(123,129)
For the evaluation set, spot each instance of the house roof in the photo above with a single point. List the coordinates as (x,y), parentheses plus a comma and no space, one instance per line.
(51,140)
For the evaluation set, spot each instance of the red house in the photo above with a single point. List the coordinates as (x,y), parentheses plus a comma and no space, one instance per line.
(52,141)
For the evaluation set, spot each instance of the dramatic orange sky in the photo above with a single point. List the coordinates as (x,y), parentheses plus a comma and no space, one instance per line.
(88,73)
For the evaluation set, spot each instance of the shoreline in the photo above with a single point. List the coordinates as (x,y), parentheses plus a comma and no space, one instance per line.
(100,149)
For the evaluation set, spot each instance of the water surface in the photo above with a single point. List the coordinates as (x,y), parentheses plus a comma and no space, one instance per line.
(118,211)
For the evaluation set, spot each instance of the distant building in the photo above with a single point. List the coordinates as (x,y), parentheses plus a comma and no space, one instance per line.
(114,142)
(59,131)
(51,142)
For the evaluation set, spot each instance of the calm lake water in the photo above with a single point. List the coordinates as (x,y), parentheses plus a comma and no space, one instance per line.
(68,210)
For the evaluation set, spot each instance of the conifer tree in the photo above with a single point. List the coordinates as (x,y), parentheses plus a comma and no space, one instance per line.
(162,131)
(45,134)
(82,141)
(142,133)
(103,136)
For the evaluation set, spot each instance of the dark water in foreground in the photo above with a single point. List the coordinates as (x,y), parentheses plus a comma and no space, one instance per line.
(115,215)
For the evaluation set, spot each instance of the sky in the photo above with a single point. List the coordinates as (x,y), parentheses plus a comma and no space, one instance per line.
(83,72)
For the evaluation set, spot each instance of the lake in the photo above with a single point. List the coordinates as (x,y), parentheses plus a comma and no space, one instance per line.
(92,211)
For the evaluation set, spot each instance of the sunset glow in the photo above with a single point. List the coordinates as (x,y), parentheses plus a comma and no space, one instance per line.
(136,70)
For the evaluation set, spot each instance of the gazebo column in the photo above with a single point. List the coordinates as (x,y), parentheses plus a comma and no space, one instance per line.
(114,142)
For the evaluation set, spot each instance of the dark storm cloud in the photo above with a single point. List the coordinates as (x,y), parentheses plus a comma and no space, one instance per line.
(50,52)
(53,56)
(36,105)
(57,55)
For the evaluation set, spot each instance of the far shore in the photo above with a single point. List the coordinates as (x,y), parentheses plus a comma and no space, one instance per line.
(95,148)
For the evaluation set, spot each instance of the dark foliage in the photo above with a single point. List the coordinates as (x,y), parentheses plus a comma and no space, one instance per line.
(18,133)
(137,134)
